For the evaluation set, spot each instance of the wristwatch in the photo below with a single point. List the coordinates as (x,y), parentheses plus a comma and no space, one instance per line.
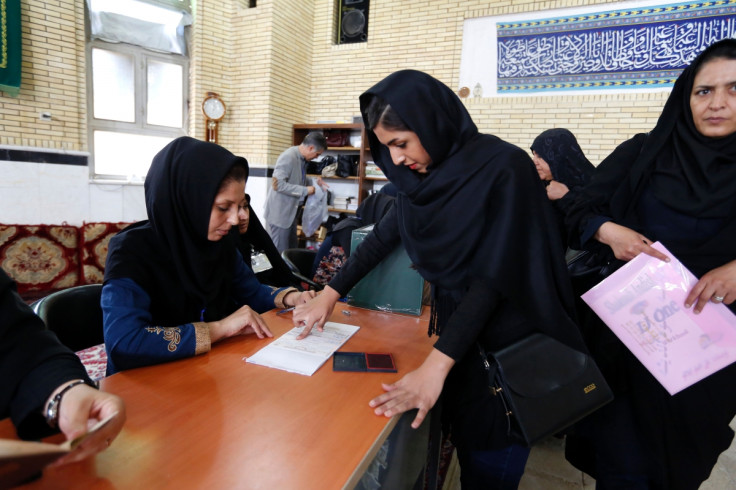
(52,409)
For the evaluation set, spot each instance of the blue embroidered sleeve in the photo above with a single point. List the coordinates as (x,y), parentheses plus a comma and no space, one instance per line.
(130,338)
(248,291)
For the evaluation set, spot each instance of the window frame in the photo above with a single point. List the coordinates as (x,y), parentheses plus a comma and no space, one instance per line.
(185,5)
(141,57)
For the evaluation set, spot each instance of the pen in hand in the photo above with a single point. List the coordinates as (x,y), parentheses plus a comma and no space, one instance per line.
(285,310)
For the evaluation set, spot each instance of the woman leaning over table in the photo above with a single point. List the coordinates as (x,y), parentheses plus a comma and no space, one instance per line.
(472,215)
(676,185)
(176,283)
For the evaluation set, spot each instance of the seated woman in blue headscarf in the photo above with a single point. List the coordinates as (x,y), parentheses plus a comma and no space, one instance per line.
(176,283)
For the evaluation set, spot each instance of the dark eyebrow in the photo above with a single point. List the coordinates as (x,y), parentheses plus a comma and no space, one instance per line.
(392,142)
(702,86)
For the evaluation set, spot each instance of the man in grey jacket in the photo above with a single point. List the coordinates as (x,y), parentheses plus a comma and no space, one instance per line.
(289,188)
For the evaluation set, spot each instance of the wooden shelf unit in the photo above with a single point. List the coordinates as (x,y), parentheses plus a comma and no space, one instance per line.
(365,184)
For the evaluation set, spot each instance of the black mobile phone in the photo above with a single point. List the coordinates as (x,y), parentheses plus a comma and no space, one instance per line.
(363,362)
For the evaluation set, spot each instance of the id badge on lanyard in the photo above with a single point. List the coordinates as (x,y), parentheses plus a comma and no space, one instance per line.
(260,262)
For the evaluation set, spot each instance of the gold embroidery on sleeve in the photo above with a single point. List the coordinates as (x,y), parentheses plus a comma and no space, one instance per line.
(171,334)
(202,337)
(279,299)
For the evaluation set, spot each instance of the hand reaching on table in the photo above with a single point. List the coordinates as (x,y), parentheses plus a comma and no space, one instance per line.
(418,389)
(316,312)
(298,297)
(242,321)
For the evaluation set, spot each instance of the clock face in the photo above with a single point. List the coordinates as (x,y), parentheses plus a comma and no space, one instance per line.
(213,108)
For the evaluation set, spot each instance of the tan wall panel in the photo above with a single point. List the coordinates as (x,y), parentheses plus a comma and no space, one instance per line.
(52,79)
(276,65)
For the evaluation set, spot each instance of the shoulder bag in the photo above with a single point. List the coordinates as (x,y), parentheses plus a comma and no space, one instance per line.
(545,386)
(586,268)
(346,165)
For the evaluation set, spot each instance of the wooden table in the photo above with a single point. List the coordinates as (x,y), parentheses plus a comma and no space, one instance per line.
(213,421)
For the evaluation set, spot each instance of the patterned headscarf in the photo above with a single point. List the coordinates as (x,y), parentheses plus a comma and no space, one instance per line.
(561,151)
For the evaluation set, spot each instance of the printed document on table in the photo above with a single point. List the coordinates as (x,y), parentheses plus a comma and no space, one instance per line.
(643,303)
(307,355)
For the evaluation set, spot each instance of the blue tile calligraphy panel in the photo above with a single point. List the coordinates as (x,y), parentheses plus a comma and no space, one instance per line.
(637,47)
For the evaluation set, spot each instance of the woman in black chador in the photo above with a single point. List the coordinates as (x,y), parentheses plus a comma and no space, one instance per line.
(472,215)
(562,166)
(676,185)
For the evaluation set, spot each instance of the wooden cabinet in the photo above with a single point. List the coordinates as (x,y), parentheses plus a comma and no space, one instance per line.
(358,186)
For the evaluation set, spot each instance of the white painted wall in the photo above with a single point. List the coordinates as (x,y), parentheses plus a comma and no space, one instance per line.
(43,193)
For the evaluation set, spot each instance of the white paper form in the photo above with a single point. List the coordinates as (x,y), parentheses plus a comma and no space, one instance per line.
(307,355)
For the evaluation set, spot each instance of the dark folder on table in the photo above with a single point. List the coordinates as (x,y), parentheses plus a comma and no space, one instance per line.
(392,286)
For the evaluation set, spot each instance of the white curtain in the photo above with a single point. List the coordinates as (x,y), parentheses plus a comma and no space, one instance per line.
(139,23)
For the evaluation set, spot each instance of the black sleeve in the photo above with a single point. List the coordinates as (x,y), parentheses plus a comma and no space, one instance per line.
(467,322)
(374,248)
(33,363)
(564,203)
(592,202)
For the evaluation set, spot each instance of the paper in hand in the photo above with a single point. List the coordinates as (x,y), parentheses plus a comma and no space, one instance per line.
(643,304)
(21,461)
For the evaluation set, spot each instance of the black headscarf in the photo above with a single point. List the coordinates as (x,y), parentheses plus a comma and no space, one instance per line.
(256,238)
(169,255)
(686,171)
(480,211)
(559,148)
(695,172)
(697,178)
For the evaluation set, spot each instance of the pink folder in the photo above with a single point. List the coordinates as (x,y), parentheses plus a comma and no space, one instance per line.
(643,303)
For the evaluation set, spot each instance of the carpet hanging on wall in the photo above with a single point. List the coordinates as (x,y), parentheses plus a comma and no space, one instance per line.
(10,47)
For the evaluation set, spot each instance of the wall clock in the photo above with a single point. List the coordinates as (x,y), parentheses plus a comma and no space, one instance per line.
(214,110)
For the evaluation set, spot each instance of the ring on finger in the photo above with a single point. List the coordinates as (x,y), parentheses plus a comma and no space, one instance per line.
(718,299)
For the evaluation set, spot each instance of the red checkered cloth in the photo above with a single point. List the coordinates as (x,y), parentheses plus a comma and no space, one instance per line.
(94,360)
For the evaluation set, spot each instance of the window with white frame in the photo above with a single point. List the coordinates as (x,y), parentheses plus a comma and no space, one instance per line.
(137,83)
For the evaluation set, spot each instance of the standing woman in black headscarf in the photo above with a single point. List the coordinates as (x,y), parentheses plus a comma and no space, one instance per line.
(472,215)
(562,166)
(676,185)
(176,283)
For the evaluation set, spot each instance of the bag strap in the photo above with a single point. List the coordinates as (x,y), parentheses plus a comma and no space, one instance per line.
(491,368)
(494,387)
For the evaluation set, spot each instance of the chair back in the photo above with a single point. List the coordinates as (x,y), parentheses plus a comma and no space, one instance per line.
(300,262)
(74,315)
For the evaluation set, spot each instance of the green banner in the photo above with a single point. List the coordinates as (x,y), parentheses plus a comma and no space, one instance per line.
(10,46)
